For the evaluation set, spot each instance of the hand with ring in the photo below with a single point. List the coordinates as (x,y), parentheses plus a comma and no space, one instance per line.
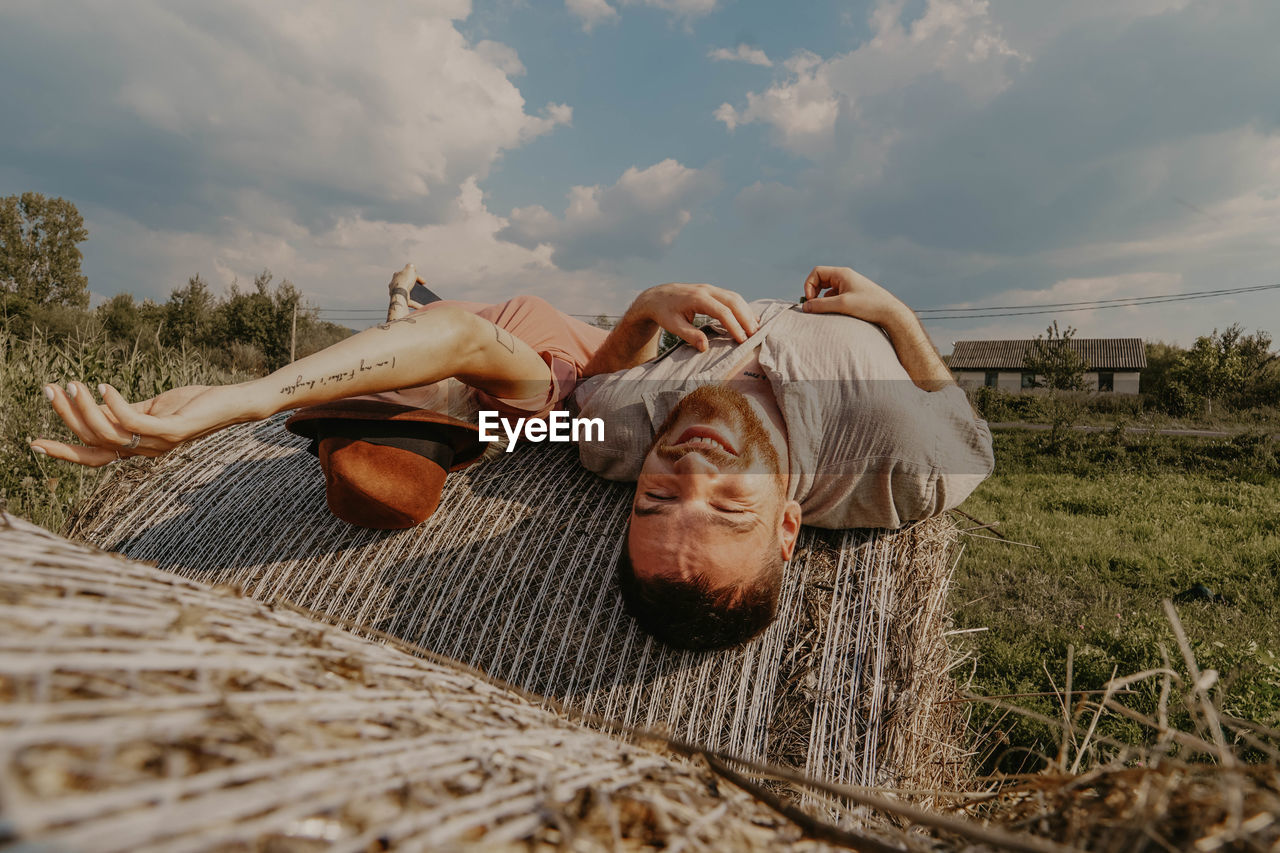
(115,428)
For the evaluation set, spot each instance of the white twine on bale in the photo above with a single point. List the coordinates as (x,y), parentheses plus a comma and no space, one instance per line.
(513,575)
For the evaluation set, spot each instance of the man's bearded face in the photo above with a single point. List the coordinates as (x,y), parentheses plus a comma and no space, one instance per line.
(709,499)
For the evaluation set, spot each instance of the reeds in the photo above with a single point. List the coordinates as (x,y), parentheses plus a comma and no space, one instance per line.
(36,488)
(1188,790)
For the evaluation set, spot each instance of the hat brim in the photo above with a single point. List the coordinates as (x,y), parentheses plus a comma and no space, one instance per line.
(383,418)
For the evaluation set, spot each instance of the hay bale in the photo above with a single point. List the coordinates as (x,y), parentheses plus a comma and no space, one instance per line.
(514,576)
(142,711)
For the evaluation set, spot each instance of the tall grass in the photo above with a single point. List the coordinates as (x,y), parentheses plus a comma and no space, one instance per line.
(1119,523)
(44,490)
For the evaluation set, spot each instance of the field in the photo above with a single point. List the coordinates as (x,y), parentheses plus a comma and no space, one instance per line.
(1118,524)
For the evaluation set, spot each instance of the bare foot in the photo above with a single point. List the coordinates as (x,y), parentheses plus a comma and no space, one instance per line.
(401,283)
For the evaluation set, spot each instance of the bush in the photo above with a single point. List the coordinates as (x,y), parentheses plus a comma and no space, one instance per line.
(995,404)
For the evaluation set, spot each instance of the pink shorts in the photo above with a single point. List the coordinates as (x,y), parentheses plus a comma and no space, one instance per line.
(565,344)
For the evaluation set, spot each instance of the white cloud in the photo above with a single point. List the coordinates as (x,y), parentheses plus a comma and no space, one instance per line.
(955,41)
(639,216)
(501,57)
(985,148)
(742,53)
(379,102)
(591,12)
(802,110)
(1123,322)
(1033,25)
(347,265)
(327,141)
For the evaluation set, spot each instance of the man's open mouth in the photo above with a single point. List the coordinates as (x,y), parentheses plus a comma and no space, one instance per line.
(703,436)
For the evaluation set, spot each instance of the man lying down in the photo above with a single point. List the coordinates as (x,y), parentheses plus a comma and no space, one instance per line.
(837,412)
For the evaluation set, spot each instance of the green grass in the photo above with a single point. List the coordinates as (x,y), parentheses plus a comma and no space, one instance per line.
(1120,524)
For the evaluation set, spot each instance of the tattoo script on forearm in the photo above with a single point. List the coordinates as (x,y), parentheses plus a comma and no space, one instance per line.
(336,378)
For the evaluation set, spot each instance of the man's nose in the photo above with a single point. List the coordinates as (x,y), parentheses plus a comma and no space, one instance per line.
(695,463)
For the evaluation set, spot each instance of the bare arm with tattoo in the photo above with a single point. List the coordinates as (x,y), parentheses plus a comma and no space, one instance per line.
(415,350)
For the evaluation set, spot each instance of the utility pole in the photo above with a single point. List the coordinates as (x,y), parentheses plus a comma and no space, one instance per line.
(293,335)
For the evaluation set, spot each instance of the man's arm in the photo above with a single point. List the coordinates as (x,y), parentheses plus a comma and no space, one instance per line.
(672,307)
(855,295)
(414,351)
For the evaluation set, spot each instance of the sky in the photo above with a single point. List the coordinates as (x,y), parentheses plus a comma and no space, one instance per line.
(962,153)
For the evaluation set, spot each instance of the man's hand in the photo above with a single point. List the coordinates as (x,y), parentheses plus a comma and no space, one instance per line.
(673,307)
(857,296)
(851,293)
(161,423)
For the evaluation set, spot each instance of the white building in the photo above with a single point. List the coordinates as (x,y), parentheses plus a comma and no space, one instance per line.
(1115,364)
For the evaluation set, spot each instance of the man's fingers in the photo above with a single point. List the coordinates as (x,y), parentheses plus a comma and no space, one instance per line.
(741,310)
(817,281)
(824,278)
(825,305)
(718,310)
(94,457)
(811,284)
(688,333)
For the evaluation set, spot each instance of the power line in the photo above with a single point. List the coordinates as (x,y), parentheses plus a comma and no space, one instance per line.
(1119,302)
(1094,306)
(973,313)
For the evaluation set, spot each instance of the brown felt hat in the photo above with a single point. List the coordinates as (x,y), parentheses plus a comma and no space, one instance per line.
(384,464)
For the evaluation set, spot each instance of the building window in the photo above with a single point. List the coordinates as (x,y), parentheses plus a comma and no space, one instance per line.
(1106,381)
(1028,380)
(992,378)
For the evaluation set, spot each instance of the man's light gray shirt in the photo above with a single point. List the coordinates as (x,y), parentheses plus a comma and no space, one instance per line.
(867,447)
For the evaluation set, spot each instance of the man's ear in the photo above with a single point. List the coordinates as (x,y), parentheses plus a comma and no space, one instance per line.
(789,528)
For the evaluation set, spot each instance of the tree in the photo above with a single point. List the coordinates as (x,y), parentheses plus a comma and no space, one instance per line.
(1224,365)
(262,319)
(1054,362)
(39,254)
(119,317)
(189,314)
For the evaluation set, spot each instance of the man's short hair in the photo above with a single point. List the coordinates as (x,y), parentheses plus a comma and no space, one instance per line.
(692,615)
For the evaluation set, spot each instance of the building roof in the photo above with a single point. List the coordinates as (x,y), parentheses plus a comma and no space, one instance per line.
(1099,353)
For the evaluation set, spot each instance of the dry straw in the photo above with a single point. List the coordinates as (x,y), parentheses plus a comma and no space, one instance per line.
(514,576)
(143,712)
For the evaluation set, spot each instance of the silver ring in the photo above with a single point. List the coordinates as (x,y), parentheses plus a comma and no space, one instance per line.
(133,442)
